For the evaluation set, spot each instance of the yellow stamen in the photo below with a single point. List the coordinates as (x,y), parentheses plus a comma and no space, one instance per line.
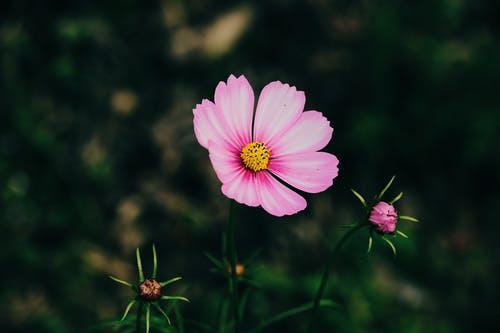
(255,156)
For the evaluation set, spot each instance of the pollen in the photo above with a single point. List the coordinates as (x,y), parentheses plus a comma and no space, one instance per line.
(255,156)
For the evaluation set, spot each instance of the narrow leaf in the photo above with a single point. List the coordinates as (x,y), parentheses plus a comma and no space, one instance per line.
(360,197)
(408,218)
(163,313)
(393,248)
(121,281)
(399,196)
(402,234)
(148,314)
(127,309)
(175,298)
(139,265)
(386,187)
(155,262)
(352,225)
(215,261)
(164,283)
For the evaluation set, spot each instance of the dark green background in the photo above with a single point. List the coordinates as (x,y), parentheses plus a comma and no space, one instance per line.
(98,156)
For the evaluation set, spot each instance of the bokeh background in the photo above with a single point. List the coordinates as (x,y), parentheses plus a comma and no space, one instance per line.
(98,157)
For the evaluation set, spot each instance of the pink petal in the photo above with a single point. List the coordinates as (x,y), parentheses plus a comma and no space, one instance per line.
(209,125)
(242,188)
(310,133)
(276,198)
(236,101)
(225,160)
(310,172)
(278,108)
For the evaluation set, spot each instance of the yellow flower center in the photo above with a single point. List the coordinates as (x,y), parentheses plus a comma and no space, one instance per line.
(255,156)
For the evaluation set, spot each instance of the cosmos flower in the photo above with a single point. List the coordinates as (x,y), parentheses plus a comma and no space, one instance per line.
(253,154)
(384,217)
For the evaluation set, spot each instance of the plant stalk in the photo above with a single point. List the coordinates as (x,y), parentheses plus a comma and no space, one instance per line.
(139,317)
(327,270)
(233,282)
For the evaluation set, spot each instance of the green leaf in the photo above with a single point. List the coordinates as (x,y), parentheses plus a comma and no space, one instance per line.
(163,313)
(155,262)
(175,298)
(148,314)
(127,309)
(386,187)
(139,265)
(293,312)
(121,281)
(399,196)
(393,248)
(402,234)
(408,218)
(164,283)
(370,241)
(360,197)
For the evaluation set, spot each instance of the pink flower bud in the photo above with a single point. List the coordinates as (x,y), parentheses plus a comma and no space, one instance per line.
(384,217)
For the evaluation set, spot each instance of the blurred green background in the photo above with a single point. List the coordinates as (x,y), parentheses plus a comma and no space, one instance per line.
(98,157)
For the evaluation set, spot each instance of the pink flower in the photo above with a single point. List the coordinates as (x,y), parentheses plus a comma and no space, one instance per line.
(384,217)
(249,152)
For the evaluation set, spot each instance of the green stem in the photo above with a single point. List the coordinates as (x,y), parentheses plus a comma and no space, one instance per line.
(139,317)
(328,267)
(233,282)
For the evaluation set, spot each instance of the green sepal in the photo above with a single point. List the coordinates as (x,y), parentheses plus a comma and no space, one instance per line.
(370,243)
(127,309)
(174,298)
(164,283)
(401,233)
(163,313)
(408,218)
(130,285)
(155,263)
(360,197)
(139,265)
(386,187)
(148,314)
(399,196)
(393,248)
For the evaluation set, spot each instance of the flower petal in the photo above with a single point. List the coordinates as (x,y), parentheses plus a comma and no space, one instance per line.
(209,125)
(310,133)
(276,198)
(310,172)
(236,101)
(278,108)
(243,188)
(225,161)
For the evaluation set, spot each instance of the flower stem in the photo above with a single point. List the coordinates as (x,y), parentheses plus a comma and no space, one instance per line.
(233,282)
(328,267)
(139,317)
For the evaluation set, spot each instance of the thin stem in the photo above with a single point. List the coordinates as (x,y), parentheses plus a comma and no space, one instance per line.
(233,282)
(328,267)
(139,317)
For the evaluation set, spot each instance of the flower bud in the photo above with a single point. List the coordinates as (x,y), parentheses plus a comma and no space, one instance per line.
(384,217)
(240,270)
(150,290)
